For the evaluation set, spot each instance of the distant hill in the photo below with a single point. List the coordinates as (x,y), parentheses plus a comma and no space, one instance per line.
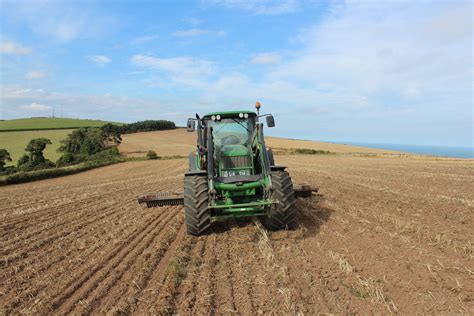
(47,123)
(179,142)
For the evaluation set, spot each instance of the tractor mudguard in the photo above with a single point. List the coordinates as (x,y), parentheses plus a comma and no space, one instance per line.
(192,162)
(196,173)
(271,159)
(277,168)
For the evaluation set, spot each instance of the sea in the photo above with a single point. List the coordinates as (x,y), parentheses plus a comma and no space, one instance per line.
(442,151)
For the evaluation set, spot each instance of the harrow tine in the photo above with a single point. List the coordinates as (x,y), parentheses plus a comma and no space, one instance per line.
(304,190)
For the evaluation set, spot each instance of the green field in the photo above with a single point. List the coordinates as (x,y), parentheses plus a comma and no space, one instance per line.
(15,142)
(40,123)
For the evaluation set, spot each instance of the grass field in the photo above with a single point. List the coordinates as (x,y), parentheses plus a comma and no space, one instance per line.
(37,123)
(15,142)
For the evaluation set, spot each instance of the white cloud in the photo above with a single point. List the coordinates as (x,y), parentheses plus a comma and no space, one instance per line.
(144,39)
(453,25)
(62,21)
(364,48)
(366,71)
(376,69)
(33,75)
(266,58)
(185,71)
(105,107)
(190,32)
(262,7)
(100,60)
(14,49)
(198,32)
(192,21)
(36,107)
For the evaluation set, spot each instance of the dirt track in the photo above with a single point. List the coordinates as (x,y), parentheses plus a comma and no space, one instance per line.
(386,235)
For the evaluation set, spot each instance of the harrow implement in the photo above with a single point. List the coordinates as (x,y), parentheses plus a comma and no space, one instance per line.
(177,198)
(162,199)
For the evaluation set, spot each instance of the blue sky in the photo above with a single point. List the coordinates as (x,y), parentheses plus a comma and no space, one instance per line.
(389,72)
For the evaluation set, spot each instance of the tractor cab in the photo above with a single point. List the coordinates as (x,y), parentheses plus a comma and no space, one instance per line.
(232,146)
(232,134)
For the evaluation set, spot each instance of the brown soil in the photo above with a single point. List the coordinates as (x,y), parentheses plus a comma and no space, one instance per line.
(385,235)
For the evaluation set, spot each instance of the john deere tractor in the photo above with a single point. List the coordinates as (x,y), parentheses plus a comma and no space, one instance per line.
(233,174)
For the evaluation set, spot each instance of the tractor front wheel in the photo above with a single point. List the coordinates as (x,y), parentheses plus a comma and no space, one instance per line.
(282,214)
(196,205)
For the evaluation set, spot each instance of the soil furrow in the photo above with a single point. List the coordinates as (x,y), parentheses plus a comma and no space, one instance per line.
(39,245)
(122,298)
(47,262)
(134,246)
(85,271)
(107,291)
(58,220)
(47,211)
(176,267)
(205,291)
(224,274)
(188,292)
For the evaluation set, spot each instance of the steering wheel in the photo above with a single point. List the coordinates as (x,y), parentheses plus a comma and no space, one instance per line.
(230,140)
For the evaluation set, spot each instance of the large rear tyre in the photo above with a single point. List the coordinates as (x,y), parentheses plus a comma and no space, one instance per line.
(281,215)
(196,205)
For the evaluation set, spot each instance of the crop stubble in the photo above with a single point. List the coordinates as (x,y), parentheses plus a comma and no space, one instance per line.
(384,235)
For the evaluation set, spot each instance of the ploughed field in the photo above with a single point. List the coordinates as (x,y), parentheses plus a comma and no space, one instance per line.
(385,235)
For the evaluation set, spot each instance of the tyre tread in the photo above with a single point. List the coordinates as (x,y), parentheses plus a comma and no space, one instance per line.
(283,214)
(196,205)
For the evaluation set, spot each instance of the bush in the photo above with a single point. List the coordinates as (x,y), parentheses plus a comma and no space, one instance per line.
(306,151)
(4,158)
(147,126)
(152,155)
(90,144)
(21,177)
(66,160)
(111,154)
(8,170)
(23,160)
(84,141)
(32,166)
(35,159)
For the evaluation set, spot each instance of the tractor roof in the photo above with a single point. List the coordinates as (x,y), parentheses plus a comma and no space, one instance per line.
(230,113)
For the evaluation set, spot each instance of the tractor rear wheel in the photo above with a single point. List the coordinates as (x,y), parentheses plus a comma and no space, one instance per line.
(196,205)
(281,215)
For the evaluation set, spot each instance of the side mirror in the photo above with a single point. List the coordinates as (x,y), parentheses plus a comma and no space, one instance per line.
(270,121)
(191,126)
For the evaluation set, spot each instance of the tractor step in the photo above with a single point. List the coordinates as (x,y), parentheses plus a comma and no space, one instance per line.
(304,190)
(162,199)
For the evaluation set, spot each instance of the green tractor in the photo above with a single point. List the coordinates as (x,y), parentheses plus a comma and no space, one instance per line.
(233,174)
